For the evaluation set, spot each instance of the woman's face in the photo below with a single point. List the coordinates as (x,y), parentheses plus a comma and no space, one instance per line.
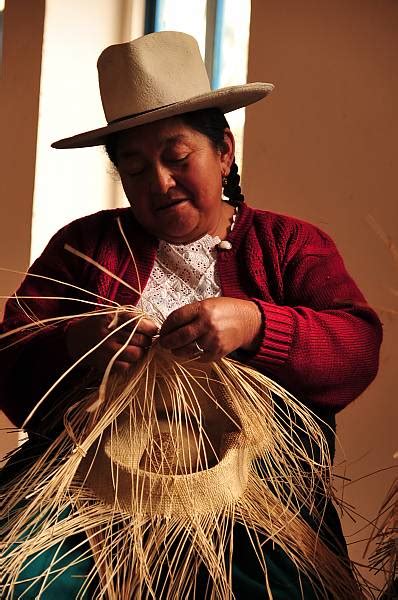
(171,175)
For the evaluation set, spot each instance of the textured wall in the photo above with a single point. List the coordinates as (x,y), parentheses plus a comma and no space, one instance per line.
(323,147)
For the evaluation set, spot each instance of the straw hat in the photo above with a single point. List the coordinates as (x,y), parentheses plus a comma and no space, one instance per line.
(148,463)
(112,471)
(157,76)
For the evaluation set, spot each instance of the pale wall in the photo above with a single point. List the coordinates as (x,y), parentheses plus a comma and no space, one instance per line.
(49,90)
(72,183)
(323,147)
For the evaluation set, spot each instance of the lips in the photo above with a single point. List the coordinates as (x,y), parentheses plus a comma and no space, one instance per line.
(171,203)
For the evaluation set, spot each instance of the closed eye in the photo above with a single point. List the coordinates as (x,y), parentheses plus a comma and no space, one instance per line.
(134,170)
(177,159)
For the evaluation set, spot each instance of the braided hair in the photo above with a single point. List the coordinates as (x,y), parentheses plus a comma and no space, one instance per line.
(212,123)
(232,189)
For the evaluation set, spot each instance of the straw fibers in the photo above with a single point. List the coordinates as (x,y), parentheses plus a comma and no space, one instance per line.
(385,556)
(156,467)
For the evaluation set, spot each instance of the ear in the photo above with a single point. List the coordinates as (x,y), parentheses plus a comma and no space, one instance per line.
(227,153)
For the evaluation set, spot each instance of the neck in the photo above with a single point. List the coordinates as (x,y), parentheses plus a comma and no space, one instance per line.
(223,225)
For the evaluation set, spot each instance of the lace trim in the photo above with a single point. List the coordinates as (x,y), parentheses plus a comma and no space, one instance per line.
(182,273)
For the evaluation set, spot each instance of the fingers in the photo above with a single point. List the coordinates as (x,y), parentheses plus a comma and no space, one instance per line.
(182,327)
(136,332)
(193,331)
(129,354)
(140,325)
(136,339)
(196,349)
(132,341)
(126,355)
(101,337)
(215,325)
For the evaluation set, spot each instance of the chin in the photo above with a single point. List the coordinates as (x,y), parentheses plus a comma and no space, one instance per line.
(179,238)
(180,234)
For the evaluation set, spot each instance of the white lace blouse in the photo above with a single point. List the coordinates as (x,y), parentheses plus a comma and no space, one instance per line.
(182,273)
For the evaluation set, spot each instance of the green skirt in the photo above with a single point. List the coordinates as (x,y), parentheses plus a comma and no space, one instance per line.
(44,576)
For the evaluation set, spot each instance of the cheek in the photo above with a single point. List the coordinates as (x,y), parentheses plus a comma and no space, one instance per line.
(209,186)
(126,185)
(131,189)
(205,180)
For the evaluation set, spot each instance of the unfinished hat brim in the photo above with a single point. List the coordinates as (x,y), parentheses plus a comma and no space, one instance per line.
(226,99)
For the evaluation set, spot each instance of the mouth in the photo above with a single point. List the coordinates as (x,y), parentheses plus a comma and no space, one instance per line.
(171,204)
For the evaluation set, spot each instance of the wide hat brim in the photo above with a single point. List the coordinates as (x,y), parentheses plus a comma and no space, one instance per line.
(226,99)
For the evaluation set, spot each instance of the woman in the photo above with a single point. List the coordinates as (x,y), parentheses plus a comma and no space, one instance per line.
(214,277)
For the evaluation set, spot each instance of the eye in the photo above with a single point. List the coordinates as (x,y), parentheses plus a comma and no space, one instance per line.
(135,169)
(175,152)
(176,158)
(135,172)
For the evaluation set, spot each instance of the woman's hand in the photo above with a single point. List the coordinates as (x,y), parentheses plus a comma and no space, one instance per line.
(217,325)
(83,334)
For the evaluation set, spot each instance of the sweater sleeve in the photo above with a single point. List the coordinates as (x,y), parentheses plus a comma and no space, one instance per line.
(323,342)
(33,359)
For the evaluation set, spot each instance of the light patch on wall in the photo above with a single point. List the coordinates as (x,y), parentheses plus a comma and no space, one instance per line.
(72,183)
(189,17)
(233,57)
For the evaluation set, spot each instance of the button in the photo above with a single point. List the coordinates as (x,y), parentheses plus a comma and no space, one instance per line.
(225,245)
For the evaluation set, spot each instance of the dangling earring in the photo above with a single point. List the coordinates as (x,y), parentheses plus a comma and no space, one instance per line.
(224,181)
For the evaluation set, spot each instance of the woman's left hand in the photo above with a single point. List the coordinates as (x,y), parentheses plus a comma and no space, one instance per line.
(218,326)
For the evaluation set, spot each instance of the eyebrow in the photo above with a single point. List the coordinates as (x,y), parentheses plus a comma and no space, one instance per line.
(167,142)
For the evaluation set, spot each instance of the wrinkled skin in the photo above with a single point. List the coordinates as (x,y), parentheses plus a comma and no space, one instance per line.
(218,325)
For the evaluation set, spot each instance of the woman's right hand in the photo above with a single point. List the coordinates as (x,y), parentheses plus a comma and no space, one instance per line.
(85,333)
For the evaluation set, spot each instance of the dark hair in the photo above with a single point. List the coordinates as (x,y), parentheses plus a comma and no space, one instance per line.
(210,122)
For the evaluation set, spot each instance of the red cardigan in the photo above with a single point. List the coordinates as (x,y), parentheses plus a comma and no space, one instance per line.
(320,339)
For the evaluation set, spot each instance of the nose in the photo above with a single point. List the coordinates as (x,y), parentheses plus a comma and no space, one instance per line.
(161,179)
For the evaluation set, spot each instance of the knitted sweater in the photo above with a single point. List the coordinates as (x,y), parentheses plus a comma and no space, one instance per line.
(319,339)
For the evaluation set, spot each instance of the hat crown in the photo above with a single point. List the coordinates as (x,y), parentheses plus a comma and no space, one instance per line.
(151,72)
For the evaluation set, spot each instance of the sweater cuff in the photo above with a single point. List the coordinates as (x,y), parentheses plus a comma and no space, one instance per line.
(277,336)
